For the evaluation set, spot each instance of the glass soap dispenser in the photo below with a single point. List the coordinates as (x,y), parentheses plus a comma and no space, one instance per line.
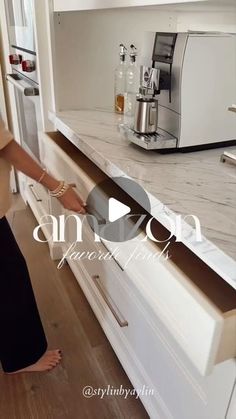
(120,75)
(131,82)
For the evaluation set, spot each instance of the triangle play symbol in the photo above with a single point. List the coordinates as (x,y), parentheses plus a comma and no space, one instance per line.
(117,209)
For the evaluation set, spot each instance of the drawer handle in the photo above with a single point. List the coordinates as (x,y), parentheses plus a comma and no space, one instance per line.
(110,303)
(35,194)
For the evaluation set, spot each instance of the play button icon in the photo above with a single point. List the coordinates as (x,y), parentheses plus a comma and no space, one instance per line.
(117,210)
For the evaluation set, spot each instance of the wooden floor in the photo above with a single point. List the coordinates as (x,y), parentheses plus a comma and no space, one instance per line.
(70,325)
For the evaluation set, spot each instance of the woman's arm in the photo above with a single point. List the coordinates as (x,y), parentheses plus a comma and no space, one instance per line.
(22,161)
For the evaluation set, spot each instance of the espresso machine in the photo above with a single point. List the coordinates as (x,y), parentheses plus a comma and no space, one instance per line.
(144,130)
(185,93)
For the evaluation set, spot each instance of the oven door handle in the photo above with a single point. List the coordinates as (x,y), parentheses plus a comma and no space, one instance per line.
(26,90)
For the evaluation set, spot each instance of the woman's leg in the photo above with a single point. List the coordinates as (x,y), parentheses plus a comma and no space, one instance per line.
(22,338)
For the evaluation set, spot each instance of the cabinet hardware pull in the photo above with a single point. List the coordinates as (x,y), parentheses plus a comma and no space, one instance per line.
(110,303)
(116,261)
(35,194)
(26,90)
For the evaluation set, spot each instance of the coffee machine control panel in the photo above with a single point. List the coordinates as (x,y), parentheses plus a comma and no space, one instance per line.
(164,47)
(163,54)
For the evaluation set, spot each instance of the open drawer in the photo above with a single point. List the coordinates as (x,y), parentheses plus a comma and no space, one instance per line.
(194,303)
(63,160)
(196,306)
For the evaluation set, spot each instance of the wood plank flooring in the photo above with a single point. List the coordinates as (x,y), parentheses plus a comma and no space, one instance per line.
(70,325)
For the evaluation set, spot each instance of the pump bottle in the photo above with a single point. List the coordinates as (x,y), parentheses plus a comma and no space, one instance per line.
(120,74)
(131,82)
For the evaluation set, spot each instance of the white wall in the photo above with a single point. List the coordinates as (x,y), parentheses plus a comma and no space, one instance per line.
(87,46)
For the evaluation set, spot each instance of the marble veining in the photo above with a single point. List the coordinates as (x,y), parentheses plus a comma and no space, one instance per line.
(178,183)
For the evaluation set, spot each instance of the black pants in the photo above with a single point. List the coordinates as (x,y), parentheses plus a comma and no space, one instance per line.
(22,339)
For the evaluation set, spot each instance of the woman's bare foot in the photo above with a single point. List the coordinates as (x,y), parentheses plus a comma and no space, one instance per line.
(46,363)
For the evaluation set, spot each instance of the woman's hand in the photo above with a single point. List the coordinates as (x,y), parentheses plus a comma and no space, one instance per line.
(21,160)
(72,201)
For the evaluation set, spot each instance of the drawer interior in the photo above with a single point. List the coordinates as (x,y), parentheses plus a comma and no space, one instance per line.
(220,293)
(77,156)
(201,275)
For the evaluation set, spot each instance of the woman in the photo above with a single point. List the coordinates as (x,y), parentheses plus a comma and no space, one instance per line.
(23,345)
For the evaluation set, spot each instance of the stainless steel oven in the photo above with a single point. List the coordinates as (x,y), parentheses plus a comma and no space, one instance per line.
(24,78)
(27,98)
(20,16)
(28,109)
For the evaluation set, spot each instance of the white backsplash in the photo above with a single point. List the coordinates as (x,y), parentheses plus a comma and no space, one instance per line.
(87,47)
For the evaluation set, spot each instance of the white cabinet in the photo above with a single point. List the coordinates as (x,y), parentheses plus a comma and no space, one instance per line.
(202,327)
(197,307)
(38,198)
(67,5)
(147,352)
(166,331)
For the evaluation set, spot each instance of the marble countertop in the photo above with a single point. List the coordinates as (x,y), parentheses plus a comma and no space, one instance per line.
(178,183)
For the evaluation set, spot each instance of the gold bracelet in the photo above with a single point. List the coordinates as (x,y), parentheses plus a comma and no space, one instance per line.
(60,191)
(63,190)
(58,188)
(42,176)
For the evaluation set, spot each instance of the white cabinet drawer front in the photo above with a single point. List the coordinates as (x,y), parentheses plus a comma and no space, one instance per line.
(39,195)
(102,274)
(89,255)
(153,353)
(205,332)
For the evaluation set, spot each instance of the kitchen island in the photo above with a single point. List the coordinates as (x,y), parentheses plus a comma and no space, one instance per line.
(171,321)
(195,183)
